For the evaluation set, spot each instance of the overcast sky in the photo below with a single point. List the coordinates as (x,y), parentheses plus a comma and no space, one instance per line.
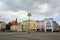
(39,9)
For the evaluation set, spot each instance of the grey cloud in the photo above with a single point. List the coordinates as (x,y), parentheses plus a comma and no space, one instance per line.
(54,7)
(31,6)
(22,4)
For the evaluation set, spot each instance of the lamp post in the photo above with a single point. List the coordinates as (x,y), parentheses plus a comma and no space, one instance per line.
(29,14)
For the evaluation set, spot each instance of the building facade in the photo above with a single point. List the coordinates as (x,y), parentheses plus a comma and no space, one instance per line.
(15,26)
(59,28)
(50,25)
(55,26)
(40,26)
(2,25)
(29,25)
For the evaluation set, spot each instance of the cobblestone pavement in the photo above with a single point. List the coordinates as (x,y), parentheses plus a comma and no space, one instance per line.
(29,36)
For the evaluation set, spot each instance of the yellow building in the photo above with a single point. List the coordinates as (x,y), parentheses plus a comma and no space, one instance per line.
(29,25)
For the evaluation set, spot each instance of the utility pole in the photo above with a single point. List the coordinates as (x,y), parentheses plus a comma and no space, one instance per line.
(29,15)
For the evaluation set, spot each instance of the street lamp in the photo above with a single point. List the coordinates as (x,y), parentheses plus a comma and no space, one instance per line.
(29,14)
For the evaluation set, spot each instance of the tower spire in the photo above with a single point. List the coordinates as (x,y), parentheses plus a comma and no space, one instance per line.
(16,20)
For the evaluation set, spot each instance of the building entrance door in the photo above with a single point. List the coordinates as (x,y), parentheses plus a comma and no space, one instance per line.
(38,30)
(48,30)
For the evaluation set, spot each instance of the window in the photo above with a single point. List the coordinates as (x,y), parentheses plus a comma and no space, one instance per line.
(48,24)
(26,25)
(34,25)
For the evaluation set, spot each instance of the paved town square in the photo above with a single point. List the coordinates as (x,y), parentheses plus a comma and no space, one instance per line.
(29,36)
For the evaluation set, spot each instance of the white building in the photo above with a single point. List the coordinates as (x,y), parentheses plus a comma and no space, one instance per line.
(2,25)
(50,25)
(17,27)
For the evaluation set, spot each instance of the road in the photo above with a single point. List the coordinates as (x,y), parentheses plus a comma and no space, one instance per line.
(31,36)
